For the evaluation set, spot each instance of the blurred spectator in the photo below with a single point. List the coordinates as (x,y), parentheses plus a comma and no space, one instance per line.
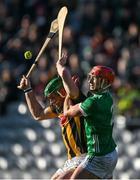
(8,90)
(96,32)
(128,101)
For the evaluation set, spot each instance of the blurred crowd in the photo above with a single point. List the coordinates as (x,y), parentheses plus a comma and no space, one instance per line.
(97,32)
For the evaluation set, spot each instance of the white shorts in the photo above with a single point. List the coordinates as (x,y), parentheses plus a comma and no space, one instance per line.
(71,163)
(101,166)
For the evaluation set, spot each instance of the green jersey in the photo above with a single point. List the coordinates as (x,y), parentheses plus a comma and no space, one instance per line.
(97,110)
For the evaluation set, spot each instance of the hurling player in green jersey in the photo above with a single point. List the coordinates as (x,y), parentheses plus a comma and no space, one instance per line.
(97,110)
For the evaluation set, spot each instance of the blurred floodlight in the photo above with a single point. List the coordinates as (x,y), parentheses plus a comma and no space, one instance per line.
(36,150)
(3,163)
(136,163)
(132,150)
(121,121)
(59,162)
(55,149)
(123,163)
(30,134)
(22,108)
(127,136)
(22,163)
(17,149)
(120,164)
(49,135)
(41,163)
(46,124)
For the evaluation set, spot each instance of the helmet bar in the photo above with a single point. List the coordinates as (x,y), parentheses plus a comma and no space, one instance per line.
(60,94)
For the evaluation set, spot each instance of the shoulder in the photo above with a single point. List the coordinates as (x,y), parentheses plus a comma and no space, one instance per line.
(89,102)
(81,97)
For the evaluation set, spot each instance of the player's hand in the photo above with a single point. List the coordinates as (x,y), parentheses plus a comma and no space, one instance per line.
(62,61)
(60,65)
(24,83)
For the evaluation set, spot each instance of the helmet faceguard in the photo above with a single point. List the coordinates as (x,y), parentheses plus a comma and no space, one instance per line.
(100,78)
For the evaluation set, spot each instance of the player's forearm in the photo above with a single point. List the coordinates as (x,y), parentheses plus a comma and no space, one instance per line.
(72,111)
(67,103)
(69,85)
(34,107)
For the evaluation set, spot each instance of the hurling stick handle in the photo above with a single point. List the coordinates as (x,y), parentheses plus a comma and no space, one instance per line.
(38,56)
(53,30)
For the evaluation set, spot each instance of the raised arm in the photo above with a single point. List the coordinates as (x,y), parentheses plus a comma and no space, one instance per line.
(37,111)
(71,110)
(69,85)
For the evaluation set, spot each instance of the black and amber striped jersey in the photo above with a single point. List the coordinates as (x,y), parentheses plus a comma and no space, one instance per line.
(73,133)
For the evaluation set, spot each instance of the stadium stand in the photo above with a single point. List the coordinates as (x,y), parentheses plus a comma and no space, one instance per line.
(30,149)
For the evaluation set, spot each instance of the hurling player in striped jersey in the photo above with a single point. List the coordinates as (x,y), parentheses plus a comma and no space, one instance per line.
(73,129)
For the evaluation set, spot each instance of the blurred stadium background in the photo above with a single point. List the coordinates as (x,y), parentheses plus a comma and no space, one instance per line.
(102,32)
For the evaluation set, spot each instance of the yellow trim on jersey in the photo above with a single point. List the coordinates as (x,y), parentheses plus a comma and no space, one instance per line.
(65,142)
(67,147)
(72,140)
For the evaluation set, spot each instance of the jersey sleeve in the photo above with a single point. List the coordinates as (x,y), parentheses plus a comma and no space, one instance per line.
(88,106)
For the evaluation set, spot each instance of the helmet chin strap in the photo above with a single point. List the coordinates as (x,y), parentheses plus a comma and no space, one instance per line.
(103,83)
(60,94)
(106,87)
